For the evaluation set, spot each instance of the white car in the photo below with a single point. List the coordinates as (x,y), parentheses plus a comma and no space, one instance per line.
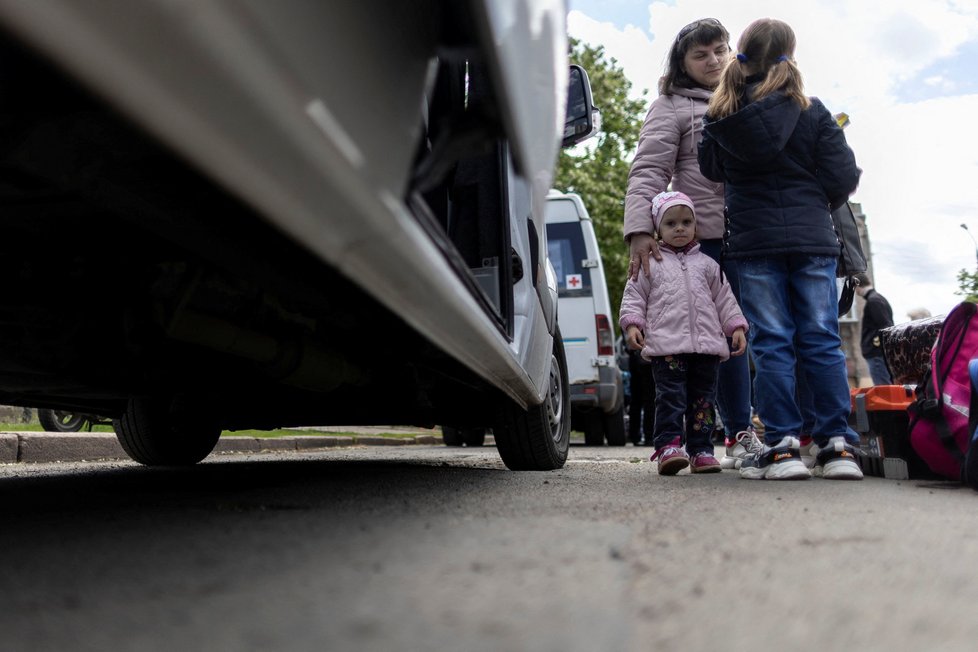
(597,397)
(253,214)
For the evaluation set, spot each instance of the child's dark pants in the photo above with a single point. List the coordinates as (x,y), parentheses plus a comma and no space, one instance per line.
(685,386)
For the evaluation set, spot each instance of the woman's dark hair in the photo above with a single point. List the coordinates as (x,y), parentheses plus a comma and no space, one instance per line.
(701,32)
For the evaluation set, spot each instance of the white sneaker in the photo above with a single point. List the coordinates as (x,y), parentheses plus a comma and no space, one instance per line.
(836,461)
(808,451)
(780,462)
(745,443)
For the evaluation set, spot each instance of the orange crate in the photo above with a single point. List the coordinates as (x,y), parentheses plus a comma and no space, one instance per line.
(883,397)
(879,415)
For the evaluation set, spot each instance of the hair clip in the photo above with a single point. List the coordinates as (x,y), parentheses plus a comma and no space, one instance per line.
(783,57)
(741,57)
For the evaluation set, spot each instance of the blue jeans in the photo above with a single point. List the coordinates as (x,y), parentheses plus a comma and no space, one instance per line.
(878,371)
(733,381)
(806,399)
(791,303)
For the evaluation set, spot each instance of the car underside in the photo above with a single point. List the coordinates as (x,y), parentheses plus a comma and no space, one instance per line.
(130,273)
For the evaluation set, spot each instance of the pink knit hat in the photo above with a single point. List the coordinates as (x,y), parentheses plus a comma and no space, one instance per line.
(666,200)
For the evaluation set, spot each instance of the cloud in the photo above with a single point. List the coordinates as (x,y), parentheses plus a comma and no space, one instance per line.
(920,175)
(941,83)
(631,47)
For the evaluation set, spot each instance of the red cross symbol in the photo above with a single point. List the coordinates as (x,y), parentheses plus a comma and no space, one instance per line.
(573,280)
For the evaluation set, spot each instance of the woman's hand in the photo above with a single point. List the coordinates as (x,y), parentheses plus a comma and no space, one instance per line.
(640,246)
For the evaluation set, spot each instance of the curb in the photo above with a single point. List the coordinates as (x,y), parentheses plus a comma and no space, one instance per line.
(35,447)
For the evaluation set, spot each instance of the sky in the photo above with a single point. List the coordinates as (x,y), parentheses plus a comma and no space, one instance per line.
(905,71)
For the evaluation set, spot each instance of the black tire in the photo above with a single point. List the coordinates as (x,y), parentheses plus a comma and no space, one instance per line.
(463,436)
(614,427)
(61,420)
(451,436)
(594,428)
(538,439)
(474,436)
(166,432)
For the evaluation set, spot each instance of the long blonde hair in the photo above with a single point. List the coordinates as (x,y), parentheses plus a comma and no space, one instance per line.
(766,46)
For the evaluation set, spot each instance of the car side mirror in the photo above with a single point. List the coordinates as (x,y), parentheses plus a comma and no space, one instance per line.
(582,119)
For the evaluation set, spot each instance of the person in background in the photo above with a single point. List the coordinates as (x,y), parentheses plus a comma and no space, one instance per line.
(785,165)
(641,409)
(666,159)
(680,316)
(877,314)
(918,313)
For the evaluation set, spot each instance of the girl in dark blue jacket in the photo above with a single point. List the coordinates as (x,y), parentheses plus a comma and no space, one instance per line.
(785,164)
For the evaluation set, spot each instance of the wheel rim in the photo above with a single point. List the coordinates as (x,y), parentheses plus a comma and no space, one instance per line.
(68,420)
(555,404)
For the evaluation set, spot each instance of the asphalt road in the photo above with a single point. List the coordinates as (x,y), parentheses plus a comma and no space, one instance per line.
(428,548)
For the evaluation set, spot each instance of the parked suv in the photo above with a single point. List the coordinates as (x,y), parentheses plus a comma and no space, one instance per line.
(584,316)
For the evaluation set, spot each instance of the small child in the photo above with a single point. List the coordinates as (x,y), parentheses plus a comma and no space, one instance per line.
(680,316)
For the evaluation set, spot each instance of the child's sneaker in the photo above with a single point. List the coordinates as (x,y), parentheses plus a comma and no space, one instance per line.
(672,458)
(742,445)
(704,463)
(837,461)
(781,462)
(808,451)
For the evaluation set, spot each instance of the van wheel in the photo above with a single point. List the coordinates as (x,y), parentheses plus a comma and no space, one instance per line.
(538,439)
(162,431)
(61,420)
(474,436)
(614,427)
(451,436)
(463,436)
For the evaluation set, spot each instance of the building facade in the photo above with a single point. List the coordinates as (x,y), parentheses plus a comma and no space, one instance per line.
(850,324)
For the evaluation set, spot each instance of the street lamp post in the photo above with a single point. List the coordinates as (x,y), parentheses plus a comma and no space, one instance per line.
(968,231)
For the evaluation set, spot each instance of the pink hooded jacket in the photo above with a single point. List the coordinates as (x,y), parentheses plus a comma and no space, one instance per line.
(684,305)
(667,153)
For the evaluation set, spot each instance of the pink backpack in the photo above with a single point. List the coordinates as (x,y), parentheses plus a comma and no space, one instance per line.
(939,416)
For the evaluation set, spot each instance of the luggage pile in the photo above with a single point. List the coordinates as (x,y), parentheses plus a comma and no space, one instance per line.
(924,427)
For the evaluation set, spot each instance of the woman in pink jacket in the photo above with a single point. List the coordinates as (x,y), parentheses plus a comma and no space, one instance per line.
(681,315)
(666,158)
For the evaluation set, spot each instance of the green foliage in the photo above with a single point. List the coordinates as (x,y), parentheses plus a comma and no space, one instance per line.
(36,427)
(968,285)
(598,170)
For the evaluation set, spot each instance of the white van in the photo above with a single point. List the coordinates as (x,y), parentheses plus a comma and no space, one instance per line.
(584,317)
(401,192)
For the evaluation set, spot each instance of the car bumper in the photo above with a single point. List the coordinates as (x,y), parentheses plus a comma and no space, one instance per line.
(606,394)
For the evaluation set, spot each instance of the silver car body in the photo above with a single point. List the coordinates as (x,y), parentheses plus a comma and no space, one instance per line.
(254,94)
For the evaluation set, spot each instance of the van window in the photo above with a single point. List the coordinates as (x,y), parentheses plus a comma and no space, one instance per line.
(565,245)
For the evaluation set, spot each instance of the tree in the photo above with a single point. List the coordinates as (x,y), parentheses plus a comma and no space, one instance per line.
(598,171)
(968,285)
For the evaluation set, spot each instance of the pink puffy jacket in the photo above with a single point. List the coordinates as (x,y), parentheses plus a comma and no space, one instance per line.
(666,153)
(683,307)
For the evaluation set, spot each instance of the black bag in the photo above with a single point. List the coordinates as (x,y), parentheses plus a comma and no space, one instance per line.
(852,260)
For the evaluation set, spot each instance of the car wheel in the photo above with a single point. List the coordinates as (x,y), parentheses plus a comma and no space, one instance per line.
(158,431)
(61,421)
(614,427)
(463,436)
(538,439)
(451,436)
(474,436)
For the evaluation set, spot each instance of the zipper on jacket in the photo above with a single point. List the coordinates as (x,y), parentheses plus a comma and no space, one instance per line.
(689,301)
